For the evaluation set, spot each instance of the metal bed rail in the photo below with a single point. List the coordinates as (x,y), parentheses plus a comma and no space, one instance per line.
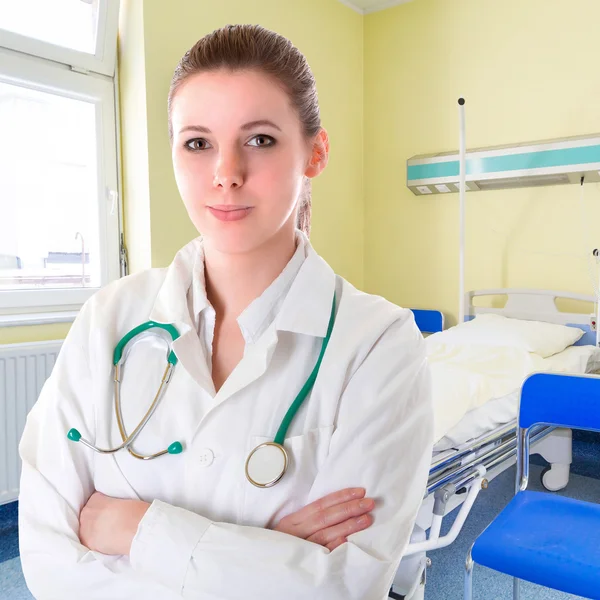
(467,471)
(471,477)
(474,445)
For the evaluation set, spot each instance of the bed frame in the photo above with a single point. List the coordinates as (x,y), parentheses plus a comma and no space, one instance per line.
(457,476)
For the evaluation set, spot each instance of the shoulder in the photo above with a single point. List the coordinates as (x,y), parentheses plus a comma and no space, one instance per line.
(137,290)
(140,284)
(372,313)
(115,307)
(369,324)
(134,295)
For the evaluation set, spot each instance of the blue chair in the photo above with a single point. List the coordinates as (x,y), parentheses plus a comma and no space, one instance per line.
(540,537)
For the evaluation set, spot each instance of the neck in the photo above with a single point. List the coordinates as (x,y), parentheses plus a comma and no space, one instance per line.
(233,281)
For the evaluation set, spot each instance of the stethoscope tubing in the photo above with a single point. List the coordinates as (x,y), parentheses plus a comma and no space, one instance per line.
(128,440)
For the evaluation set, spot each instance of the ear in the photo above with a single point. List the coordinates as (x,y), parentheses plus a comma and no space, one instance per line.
(320,154)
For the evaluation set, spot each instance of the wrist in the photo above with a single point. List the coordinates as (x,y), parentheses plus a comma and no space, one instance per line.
(135,513)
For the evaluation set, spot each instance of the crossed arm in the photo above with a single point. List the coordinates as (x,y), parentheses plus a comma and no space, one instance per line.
(108,525)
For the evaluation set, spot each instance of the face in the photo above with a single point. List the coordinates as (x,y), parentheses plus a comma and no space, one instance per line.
(239,156)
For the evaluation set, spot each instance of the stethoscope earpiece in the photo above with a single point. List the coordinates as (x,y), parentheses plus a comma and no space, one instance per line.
(74,435)
(175,448)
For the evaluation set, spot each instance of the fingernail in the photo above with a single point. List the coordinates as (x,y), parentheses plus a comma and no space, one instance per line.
(363,520)
(357,492)
(367,503)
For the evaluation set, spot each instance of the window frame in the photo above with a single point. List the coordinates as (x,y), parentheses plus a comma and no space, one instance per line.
(43,75)
(103,59)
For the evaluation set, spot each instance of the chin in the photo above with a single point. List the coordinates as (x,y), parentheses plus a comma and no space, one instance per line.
(233,240)
(243,238)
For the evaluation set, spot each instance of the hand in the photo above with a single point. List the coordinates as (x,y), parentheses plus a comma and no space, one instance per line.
(330,520)
(108,525)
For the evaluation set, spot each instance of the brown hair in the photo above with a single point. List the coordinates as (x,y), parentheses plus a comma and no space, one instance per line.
(242,47)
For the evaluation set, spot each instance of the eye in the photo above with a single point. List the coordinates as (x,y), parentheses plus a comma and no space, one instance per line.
(262,140)
(197,144)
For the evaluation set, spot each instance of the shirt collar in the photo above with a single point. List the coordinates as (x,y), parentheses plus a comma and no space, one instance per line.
(261,312)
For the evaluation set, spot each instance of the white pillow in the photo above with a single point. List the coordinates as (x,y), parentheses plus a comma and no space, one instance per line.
(545,339)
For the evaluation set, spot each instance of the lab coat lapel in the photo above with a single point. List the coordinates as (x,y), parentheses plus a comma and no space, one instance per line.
(171,306)
(190,355)
(254,363)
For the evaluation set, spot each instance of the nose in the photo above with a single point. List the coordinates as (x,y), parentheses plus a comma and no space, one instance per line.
(229,171)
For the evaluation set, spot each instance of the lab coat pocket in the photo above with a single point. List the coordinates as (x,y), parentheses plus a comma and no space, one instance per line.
(264,507)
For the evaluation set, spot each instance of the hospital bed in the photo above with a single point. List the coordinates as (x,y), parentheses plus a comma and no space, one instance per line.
(474,445)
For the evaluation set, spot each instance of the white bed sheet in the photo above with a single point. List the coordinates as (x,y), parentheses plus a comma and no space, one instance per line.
(503,409)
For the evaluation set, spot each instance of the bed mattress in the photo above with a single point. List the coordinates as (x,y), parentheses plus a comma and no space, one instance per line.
(473,398)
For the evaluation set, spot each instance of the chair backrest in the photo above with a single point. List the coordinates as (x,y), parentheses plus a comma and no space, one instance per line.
(571,401)
(429,321)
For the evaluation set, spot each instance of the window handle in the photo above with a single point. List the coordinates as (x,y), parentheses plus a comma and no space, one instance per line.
(113,196)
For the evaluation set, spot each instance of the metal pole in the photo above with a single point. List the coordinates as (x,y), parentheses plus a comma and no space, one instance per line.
(469,564)
(463,172)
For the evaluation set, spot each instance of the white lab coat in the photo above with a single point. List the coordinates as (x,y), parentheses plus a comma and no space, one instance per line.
(367,423)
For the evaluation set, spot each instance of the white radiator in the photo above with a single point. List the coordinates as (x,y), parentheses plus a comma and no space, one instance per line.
(23,370)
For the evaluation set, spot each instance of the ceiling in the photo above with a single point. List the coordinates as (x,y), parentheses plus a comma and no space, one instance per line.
(364,7)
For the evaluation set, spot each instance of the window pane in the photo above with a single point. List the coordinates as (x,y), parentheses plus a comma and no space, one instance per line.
(49,224)
(68,23)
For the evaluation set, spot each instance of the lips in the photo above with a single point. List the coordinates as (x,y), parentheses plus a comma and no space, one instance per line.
(229,212)
(229,207)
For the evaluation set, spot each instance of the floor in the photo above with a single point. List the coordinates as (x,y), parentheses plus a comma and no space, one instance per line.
(12,584)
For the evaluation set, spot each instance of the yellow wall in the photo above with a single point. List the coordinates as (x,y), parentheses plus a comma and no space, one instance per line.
(154,34)
(330,35)
(39,333)
(134,135)
(529,71)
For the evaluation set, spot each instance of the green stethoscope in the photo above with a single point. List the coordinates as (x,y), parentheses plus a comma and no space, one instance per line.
(265,465)
(118,362)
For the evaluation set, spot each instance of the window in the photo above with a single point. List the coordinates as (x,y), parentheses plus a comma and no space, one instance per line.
(79,33)
(59,210)
(60,22)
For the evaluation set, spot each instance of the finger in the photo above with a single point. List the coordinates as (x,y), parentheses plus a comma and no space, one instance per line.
(335,515)
(333,545)
(342,530)
(326,502)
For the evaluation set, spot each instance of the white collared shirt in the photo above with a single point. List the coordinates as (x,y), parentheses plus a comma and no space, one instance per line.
(367,423)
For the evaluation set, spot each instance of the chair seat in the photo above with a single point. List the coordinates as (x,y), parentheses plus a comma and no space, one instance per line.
(546,539)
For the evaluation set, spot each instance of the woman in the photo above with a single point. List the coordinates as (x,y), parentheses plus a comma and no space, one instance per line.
(253,304)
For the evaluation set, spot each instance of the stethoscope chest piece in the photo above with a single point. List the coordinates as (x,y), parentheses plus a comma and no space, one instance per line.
(266,464)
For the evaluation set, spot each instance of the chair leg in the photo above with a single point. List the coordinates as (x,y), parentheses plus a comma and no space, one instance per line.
(516,589)
(469,576)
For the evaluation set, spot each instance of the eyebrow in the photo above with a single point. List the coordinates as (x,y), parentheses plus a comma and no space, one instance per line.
(251,125)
